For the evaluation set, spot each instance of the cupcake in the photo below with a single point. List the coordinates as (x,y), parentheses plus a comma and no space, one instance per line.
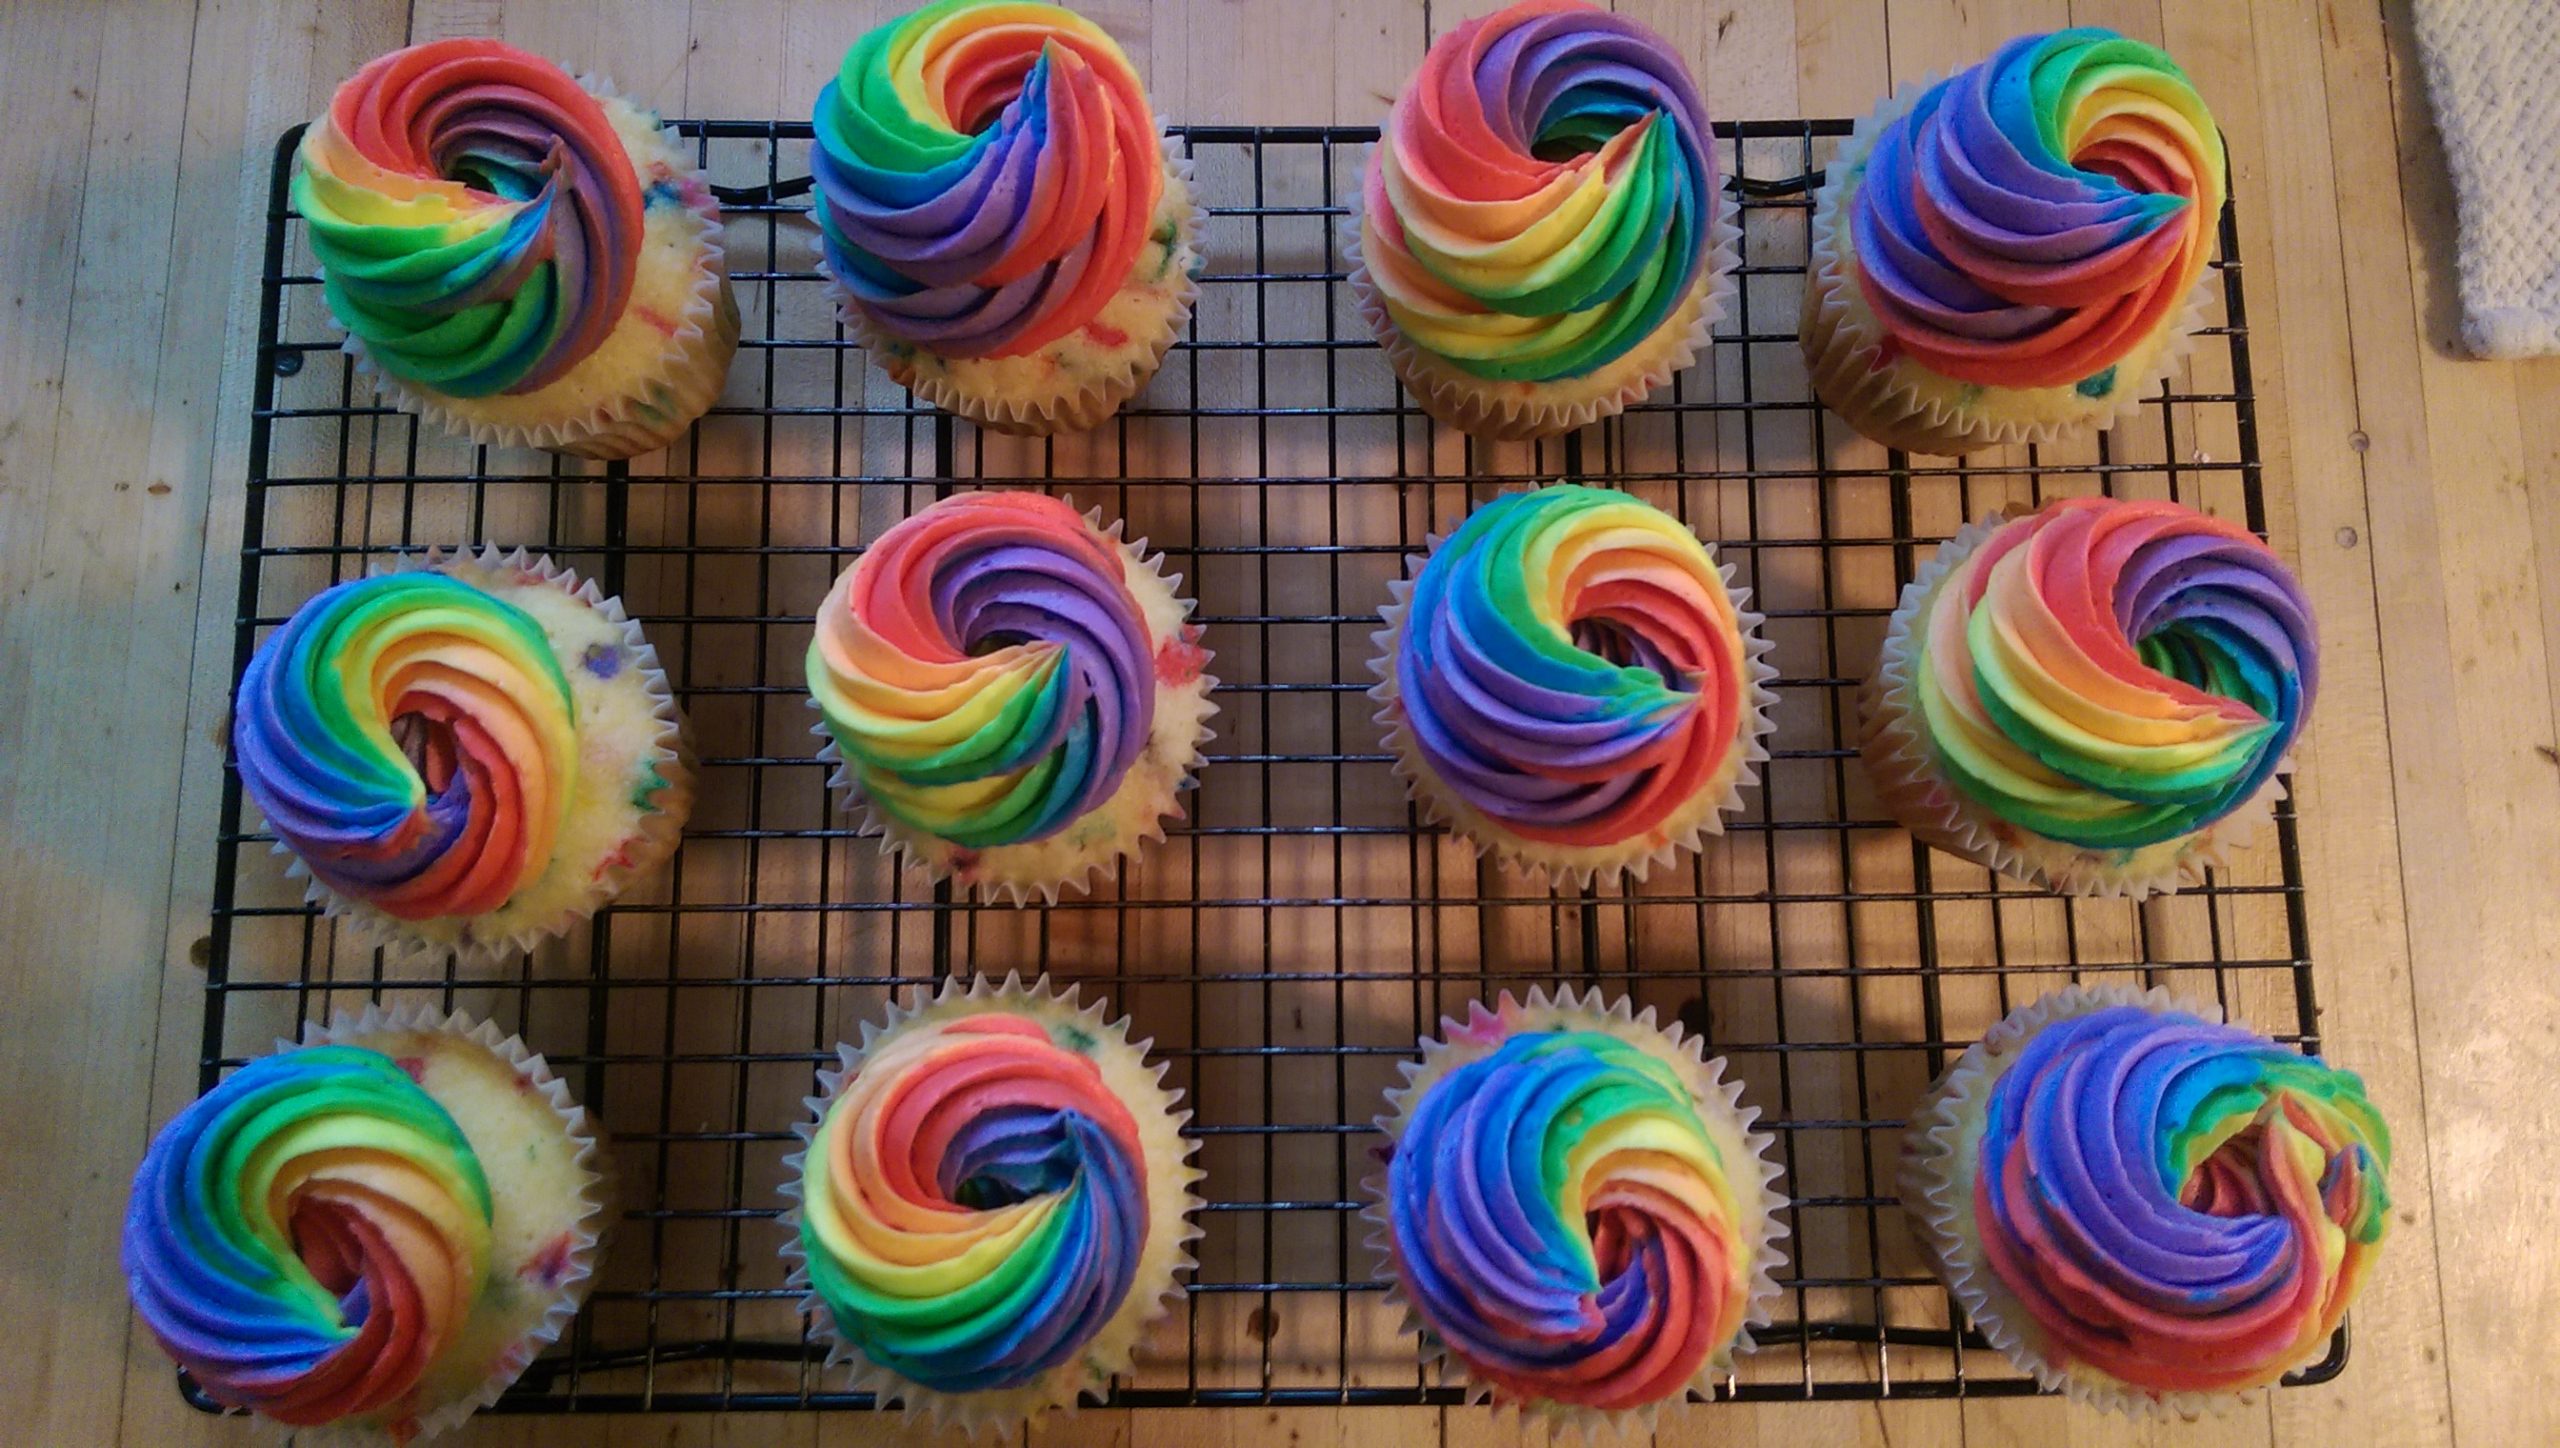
(1575,1212)
(368,1238)
(1006,226)
(1541,237)
(2143,1207)
(2016,253)
(2095,698)
(993,1204)
(470,754)
(1572,682)
(1011,692)
(524,258)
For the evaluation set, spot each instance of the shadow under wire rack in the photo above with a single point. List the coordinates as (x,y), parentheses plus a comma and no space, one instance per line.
(1296,933)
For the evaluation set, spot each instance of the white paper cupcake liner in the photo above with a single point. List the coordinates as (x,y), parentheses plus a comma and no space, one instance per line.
(1578,865)
(1501,411)
(1171,1205)
(1843,342)
(1091,404)
(1717,1098)
(1015,873)
(588,1232)
(660,832)
(1940,1160)
(1894,745)
(654,408)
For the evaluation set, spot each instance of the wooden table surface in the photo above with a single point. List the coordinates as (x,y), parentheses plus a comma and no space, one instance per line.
(135,155)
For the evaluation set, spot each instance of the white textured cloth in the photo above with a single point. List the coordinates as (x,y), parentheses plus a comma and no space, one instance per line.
(2493,76)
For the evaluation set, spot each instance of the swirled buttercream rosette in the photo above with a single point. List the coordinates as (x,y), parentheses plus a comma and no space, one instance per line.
(993,1203)
(1571,681)
(1541,237)
(1525,411)
(368,1237)
(2017,253)
(1576,1214)
(2099,697)
(2144,1208)
(1006,225)
(471,752)
(523,258)
(1010,693)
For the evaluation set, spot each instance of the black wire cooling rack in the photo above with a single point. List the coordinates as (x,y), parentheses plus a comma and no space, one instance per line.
(1288,943)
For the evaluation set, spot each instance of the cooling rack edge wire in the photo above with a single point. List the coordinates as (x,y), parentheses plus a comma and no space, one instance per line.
(1290,940)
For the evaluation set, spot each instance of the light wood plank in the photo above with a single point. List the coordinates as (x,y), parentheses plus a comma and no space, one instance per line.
(2317,471)
(2470,710)
(230,136)
(70,569)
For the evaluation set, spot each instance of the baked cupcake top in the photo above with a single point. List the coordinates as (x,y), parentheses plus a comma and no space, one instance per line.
(2179,1204)
(2113,674)
(987,171)
(1571,665)
(477,219)
(309,1238)
(1542,197)
(2034,217)
(993,1202)
(414,741)
(1563,1219)
(986,671)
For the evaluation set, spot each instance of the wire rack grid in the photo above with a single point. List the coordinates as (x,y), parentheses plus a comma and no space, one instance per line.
(1303,926)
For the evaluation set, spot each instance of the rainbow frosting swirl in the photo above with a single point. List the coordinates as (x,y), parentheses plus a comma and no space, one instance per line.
(974,1202)
(2111,674)
(1571,666)
(2034,217)
(2180,1205)
(987,172)
(1542,197)
(1562,1219)
(476,216)
(986,671)
(413,741)
(310,1237)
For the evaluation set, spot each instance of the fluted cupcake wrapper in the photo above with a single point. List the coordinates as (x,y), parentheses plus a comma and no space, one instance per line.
(1893,743)
(1043,868)
(1514,412)
(588,1233)
(1844,345)
(1098,398)
(513,929)
(1171,1203)
(1940,1159)
(1718,1099)
(655,407)
(1580,865)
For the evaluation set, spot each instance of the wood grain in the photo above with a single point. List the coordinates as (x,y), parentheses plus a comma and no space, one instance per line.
(2415,491)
